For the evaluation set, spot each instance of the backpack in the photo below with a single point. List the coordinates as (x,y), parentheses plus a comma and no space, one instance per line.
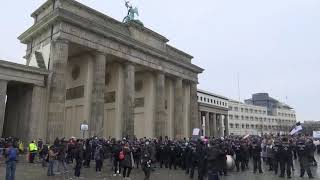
(12,154)
(121,155)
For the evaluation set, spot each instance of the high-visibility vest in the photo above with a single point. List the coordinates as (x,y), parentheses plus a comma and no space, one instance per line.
(33,147)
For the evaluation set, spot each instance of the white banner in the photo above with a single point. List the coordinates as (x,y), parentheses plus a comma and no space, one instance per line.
(196,132)
(316,134)
(84,127)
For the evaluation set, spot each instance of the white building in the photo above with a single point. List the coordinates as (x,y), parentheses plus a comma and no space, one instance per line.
(246,118)
(213,113)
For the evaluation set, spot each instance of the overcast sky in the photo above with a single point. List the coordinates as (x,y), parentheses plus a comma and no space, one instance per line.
(274,45)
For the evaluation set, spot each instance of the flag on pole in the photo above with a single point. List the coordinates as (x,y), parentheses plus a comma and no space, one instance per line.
(296,128)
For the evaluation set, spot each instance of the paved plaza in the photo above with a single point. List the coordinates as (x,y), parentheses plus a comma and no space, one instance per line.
(26,171)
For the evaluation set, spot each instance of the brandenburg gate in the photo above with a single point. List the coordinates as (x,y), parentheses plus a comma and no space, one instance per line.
(120,78)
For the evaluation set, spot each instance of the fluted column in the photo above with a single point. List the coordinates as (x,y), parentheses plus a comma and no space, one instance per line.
(207,124)
(38,112)
(214,125)
(97,98)
(226,125)
(57,95)
(178,109)
(222,125)
(194,109)
(128,100)
(160,122)
(3,94)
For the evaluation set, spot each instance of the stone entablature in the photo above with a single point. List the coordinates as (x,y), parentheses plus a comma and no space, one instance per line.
(20,73)
(77,23)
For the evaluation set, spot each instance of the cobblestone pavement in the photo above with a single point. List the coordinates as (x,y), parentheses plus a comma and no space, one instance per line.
(26,171)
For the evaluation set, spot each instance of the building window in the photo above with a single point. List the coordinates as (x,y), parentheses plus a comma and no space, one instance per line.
(211,101)
(237,125)
(246,110)
(251,110)
(200,98)
(230,108)
(242,126)
(236,117)
(247,126)
(241,109)
(251,118)
(230,116)
(231,125)
(252,126)
(236,109)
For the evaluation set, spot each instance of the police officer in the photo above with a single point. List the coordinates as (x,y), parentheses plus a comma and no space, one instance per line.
(285,158)
(194,159)
(183,155)
(256,155)
(214,154)
(239,152)
(202,160)
(163,154)
(172,155)
(188,157)
(32,151)
(303,150)
(276,155)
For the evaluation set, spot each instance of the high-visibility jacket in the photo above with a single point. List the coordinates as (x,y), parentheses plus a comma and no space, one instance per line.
(33,147)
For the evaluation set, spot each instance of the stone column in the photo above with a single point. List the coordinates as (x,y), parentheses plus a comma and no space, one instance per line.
(38,112)
(194,109)
(226,125)
(97,101)
(178,109)
(128,100)
(160,122)
(57,94)
(222,125)
(3,94)
(214,125)
(207,124)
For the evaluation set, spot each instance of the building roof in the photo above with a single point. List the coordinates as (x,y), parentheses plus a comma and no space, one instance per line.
(212,94)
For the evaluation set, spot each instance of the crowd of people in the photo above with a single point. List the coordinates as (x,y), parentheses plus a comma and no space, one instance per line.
(206,155)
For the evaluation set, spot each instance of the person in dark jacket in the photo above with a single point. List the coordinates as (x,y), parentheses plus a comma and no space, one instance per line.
(163,154)
(276,155)
(146,165)
(98,157)
(285,158)
(214,154)
(79,158)
(304,149)
(240,156)
(116,149)
(202,157)
(256,156)
(127,162)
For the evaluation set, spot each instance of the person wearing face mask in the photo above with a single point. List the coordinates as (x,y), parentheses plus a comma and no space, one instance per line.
(127,162)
